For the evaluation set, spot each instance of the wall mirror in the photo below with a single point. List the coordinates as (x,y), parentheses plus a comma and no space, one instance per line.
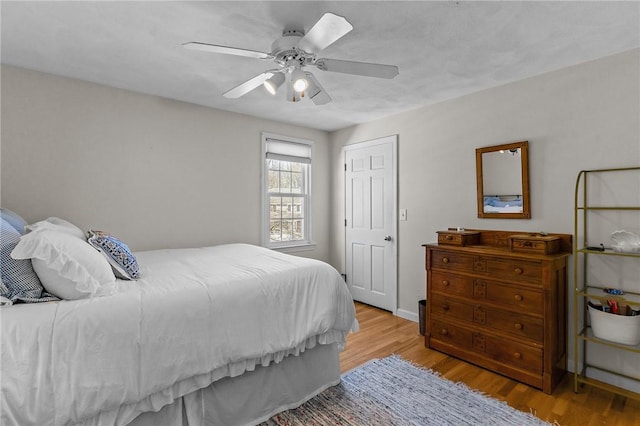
(503,181)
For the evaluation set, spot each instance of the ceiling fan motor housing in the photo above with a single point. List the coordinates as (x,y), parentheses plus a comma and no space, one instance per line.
(285,49)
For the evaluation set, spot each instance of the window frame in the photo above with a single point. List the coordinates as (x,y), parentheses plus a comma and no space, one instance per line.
(287,246)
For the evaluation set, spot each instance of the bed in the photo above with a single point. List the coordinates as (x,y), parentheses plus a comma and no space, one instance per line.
(225,335)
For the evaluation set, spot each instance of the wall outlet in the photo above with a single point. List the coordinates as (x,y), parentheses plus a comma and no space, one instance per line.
(403,214)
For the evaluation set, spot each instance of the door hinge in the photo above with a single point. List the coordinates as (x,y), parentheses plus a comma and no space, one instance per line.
(345,277)
(345,167)
(345,222)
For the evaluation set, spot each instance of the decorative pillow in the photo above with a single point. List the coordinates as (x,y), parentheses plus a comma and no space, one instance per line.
(57,224)
(117,253)
(67,266)
(19,280)
(13,219)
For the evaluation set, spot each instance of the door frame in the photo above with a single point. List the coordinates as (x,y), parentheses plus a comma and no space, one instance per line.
(393,140)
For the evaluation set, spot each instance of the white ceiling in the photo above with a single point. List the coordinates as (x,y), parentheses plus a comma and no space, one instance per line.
(443,49)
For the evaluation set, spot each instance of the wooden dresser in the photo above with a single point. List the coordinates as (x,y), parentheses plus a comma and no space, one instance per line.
(500,308)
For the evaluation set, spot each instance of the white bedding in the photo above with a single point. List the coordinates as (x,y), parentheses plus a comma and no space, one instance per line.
(197,315)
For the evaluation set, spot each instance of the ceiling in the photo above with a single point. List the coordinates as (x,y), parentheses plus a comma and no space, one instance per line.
(443,49)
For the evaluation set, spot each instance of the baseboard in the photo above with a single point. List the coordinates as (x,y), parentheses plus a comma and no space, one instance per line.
(408,315)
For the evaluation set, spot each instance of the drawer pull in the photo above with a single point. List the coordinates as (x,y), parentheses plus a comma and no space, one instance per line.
(517,355)
(518,271)
(444,331)
(445,307)
(518,297)
(445,283)
(449,237)
(518,326)
(445,260)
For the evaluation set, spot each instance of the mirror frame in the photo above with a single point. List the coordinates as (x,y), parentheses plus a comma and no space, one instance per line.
(524,167)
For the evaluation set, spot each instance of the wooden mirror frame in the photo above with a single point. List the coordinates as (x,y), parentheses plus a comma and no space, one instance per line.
(524,167)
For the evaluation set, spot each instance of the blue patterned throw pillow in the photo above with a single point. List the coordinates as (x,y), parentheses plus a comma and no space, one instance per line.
(122,261)
(13,219)
(19,280)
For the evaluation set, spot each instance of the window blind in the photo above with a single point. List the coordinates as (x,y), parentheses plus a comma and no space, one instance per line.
(288,151)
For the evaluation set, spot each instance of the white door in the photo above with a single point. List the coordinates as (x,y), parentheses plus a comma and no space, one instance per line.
(371,229)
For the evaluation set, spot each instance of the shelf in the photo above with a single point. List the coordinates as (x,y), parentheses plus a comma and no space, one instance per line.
(583,292)
(608,252)
(607,386)
(587,335)
(595,292)
(608,208)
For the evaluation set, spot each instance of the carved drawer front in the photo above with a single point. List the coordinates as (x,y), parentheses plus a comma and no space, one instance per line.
(444,308)
(504,350)
(451,284)
(514,269)
(515,324)
(451,334)
(521,299)
(514,353)
(450,260)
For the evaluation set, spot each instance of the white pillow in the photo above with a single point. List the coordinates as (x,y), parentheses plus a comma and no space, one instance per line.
(67,266)
(57,224)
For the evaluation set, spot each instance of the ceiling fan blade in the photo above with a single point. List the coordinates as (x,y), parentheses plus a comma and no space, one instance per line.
(315,92)
(194,45)
(358,68)
(327,30)
(247,86)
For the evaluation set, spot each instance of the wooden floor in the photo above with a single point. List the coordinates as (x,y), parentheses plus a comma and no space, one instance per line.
(382,334)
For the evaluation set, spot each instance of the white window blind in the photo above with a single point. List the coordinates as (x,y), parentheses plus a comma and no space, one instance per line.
(288,151)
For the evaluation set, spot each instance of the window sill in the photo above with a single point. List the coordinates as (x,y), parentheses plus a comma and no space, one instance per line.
(294,247)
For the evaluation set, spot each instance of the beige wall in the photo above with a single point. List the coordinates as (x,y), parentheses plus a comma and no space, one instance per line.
(156,172)
(583,117)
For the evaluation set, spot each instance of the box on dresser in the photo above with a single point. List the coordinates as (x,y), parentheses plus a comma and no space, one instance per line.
(501,309)
(458,238)
(534,243)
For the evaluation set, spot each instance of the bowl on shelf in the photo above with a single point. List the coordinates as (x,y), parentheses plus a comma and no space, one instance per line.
(615,328)
(625,242)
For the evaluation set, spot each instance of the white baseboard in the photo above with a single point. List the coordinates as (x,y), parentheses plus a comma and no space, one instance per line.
(408,315)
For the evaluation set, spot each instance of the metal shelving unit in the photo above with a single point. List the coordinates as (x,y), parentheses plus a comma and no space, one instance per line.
(584,291)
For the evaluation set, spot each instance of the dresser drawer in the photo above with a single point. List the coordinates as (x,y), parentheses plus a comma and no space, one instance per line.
(458,238)
(514,353)
(447,308)
(443,282)
(451,334)
(515,324)
(517,298)
(480,315)
(512,269)
(503,350)
(451,260)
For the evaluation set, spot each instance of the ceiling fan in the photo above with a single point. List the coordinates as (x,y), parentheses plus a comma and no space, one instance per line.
(294,51)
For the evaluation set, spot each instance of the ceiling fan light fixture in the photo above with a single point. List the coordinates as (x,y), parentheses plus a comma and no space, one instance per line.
(273,84)
(299,80)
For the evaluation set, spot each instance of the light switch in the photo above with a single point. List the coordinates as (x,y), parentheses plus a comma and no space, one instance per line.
(403,214)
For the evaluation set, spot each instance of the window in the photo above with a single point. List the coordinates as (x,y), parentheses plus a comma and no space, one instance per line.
(286,192)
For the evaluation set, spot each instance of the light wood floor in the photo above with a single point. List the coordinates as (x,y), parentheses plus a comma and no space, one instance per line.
(382,334)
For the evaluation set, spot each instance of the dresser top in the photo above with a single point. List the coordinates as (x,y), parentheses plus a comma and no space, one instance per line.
(497,243)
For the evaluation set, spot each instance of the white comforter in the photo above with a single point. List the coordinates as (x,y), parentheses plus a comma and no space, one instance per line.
(196,315)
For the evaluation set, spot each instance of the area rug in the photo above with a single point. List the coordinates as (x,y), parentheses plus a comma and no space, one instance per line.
(392,391)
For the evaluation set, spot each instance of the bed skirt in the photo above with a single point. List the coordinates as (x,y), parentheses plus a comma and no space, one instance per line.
(254,396)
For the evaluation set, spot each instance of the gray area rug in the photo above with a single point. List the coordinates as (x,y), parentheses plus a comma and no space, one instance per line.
(392,391)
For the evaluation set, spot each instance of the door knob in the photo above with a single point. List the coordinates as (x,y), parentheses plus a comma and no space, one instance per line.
(387,238)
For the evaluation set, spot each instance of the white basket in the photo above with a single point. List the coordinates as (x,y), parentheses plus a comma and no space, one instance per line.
(615,328)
